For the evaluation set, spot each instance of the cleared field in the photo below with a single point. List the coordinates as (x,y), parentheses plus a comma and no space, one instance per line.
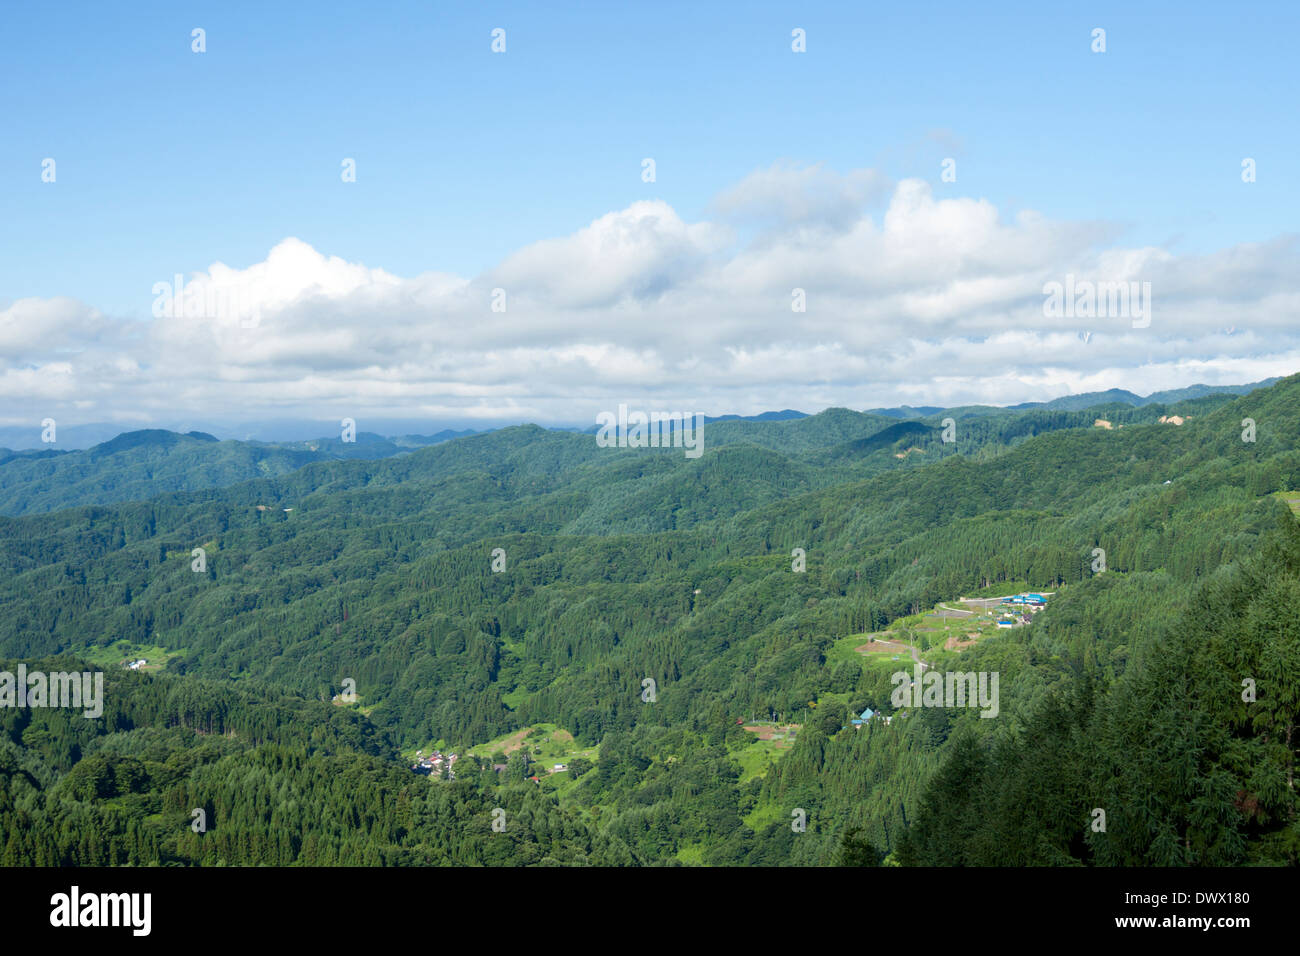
(949,626)
(120,652)
(882,646)
(774,732)
(545,744)
(1292,499)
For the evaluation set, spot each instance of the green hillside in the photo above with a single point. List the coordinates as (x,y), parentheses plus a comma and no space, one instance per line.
(142,464)
(623,566)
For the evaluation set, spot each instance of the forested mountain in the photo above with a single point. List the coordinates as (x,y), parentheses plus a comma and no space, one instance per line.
(140,464)
(500,581)
(1123,397)
(1114,396)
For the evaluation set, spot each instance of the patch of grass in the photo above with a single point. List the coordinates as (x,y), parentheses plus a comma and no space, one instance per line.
(515,697)
(692,855)
(757,758)
(546,744)
(114,655)
(764,815)
(1292,499)
(845,649)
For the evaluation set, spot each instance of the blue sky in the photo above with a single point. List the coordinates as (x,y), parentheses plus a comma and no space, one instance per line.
(169,161)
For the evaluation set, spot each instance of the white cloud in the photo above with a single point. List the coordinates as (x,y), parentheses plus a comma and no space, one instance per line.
(786,194)
(926,300)
(640,253)
(33,328)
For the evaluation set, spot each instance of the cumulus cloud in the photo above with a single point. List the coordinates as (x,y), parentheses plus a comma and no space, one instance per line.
(787,194)
(640,253)
(908,298)
(34,328)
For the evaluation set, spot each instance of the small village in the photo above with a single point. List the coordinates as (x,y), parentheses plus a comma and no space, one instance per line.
(432,764)
(547,753)
(1026,605)
(949,626)
(867,715)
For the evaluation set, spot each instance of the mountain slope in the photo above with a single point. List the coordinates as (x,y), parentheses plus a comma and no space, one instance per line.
(528,577)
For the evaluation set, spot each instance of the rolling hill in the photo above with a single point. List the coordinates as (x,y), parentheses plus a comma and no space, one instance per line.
(527,576)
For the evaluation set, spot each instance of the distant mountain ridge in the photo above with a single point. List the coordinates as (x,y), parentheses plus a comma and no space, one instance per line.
(24,441)
(157,437)
(784,415)
(906,411)
(142,464)
(1074,403)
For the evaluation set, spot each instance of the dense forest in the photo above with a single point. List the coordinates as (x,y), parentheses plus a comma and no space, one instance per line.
(142,464)
(477,587)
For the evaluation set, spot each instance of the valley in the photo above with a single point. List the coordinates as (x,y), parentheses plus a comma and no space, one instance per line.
(620,651)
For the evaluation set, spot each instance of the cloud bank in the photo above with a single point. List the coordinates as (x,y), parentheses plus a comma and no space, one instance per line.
(907,296)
